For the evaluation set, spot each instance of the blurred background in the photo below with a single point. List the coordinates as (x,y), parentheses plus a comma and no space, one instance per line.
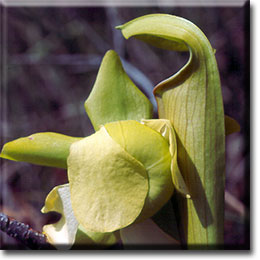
(50,61)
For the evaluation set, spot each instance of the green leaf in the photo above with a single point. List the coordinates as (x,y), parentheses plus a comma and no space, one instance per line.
(67,232)
(114,96)
(48,149)
(150,149)
(191,99)
(108,186)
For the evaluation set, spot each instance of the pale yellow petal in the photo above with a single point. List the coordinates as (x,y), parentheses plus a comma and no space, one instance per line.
(62,233)
(164,127)
(108,185)
(152,150)
(67,233)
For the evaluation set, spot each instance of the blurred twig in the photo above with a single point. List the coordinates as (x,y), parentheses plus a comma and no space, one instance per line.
(23,233)
(235,204)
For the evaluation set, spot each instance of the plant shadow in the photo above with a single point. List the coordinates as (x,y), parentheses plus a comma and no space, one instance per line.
(198,203)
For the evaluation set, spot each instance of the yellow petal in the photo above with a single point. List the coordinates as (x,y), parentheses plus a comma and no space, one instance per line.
(108,186)
(164,127)
(67,232)
(62,233)
(152,150)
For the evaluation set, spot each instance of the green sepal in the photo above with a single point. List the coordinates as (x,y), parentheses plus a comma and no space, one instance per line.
(114,96)
(47,149)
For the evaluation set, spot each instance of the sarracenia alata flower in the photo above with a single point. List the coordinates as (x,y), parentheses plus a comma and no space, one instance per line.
(127,171)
